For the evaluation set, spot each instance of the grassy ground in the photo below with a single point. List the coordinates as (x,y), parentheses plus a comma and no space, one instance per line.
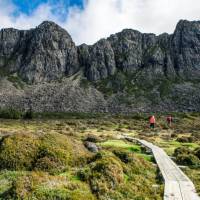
(46,158)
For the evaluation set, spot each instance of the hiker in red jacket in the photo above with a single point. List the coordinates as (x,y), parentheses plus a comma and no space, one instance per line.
(169,120)
(152,121)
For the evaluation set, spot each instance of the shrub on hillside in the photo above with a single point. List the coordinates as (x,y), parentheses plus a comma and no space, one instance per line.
(110,178)
(28,114)
(123,155)
(187,159)
(182,150)
(197,152)
(185,156)
(42,186)
(18,151)
(188,139)
(10,113)
(105,173)
(52,153)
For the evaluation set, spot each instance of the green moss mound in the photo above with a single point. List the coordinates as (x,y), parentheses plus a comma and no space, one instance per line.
(106,174)
(185,156)
(57,152)
(17,152)
(197,152)
(114,177)
(42,186)
(53,153)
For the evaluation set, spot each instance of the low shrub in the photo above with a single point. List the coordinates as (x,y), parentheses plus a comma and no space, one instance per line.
(52,153)
(185,156)
(41,186)
(187,159)
(18,151)
(182,150)
(197,152)
(123,155)
(188,139)
(10,113)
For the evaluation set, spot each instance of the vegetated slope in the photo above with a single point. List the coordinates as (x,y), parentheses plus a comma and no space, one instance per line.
(130,71)
(57,166)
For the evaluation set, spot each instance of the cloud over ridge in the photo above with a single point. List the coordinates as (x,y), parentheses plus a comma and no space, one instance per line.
(100,18)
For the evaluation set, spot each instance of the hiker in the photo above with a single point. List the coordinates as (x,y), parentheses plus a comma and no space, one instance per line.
(169,120)
(152,121)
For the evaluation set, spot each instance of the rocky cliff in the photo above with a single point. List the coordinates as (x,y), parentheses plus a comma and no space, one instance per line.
(43,69)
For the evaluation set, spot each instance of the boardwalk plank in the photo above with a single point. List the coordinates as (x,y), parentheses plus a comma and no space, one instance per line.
(177,185)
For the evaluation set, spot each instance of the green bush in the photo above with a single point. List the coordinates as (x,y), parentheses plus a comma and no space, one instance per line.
(182,150)
(189,139)
(52,153)
(18,151)
(187,159)
(41,186)
(197,152)
(106,174)
(185,156)
(10,113)
(28,115)
(123,155)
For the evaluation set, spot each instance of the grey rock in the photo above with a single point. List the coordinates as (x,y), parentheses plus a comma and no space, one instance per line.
(91,146)
(44,70)
(45,53)
(98,60)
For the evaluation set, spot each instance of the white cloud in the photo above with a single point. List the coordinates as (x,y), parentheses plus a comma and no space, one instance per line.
(100,18)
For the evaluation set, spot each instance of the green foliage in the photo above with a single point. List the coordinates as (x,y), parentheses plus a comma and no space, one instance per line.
(67,115)
(3,71)
(17,152)
(186,139)
(41,186)
(187,159)
(119,176)
(124,156)
(53,153)
(17,82)
(85,83)
(197,152)
(165,87)
(10,113)
(28,115)
(185,156)
(105,173)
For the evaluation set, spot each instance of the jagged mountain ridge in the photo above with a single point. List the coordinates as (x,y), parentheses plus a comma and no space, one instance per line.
(129,71)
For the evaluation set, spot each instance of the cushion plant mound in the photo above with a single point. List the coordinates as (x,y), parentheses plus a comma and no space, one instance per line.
(42,186)
(187,159)
(52,153)
(18,151)
(185,139)
(107,173)
(123,155)
(104,173)
(197,152)
(185,156)
(112,178)
(182,150)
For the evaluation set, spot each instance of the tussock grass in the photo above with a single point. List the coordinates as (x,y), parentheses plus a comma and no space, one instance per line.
(45,158)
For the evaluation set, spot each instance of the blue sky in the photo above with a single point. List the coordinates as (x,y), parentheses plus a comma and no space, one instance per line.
(28,6)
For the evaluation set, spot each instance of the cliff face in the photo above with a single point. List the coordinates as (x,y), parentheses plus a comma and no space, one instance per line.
(42,54)
(42,68)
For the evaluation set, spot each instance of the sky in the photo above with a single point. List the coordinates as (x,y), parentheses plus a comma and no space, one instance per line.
(87,21)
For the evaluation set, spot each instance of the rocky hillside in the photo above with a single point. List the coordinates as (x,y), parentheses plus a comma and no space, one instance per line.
(44,70)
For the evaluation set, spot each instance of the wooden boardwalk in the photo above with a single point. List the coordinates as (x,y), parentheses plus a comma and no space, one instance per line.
(177,185)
